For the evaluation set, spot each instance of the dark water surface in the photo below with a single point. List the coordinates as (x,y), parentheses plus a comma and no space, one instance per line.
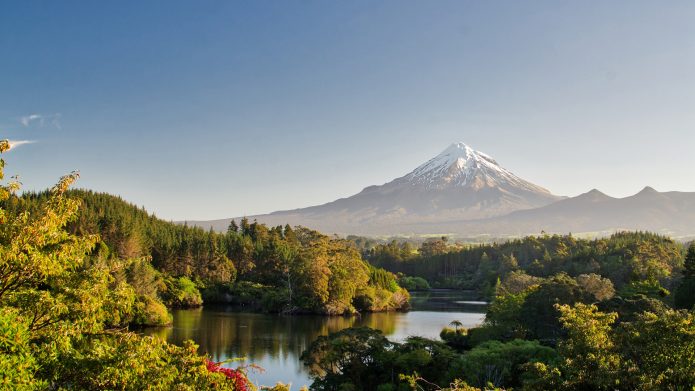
(275,342)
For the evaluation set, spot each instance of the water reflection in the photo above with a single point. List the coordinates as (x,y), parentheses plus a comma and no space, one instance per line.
(275,342)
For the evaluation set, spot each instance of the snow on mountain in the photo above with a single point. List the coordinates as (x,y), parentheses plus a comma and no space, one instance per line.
(461,165)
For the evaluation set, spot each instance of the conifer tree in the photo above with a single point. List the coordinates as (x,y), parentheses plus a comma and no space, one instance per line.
(245,226)
(689,265)
(233,227)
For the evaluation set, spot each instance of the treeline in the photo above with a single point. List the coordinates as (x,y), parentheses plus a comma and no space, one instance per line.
(277,269)
(557,332)
(626,259)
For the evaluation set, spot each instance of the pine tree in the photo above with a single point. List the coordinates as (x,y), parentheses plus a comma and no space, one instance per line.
(245,227)
(689,265)
(233,227)
(288,233)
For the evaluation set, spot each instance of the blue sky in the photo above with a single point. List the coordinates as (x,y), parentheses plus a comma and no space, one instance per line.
(201,110)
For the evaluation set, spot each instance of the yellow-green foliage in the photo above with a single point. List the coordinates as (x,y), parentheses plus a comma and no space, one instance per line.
(150,312)
(17,364)
(650,353)
(623,258)
(131,362)
(182,292)
(60,313)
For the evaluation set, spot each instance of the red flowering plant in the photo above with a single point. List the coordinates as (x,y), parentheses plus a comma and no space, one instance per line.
(237,376)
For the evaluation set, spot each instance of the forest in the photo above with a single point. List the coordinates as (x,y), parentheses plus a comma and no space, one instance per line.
(272,269)
(640,261)
(565,314)
(612,313)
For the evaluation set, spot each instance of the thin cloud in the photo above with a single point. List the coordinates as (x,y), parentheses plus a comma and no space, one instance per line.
(19,143)
(28,119)
(41,120)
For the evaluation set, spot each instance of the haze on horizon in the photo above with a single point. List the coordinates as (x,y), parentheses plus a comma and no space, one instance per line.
(218,109)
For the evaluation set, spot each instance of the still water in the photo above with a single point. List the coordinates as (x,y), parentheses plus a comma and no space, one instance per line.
(275,342)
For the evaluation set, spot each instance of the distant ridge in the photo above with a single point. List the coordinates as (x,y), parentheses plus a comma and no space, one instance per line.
(593,213)
(465,192)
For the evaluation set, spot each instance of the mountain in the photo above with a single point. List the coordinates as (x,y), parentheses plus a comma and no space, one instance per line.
(670,213)
(459,184)
(593,213)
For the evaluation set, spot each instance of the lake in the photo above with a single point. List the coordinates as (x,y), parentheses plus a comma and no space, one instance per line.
(275,342)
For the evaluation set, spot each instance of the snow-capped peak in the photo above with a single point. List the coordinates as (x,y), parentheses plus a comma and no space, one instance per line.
(462,166)
(460,154)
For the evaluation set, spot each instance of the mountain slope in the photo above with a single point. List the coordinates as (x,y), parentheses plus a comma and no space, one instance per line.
(671,213)
(649,210)
(458,184)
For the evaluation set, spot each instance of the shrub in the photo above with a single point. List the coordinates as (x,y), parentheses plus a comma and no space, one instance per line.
(501,363)
(150,312)
(182,292)
(414,283)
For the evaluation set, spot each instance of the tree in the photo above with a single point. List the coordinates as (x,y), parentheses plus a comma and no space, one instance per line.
(659,350)
(233,227)
(689,265)
(500,364)
(433,247)
(685,293)
(539,315)
(347,355)
(245,227)
(518,281)
(600,288)
(590,357)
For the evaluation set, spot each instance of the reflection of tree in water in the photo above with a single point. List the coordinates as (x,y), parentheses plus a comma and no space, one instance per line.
(384,321)
(224,334)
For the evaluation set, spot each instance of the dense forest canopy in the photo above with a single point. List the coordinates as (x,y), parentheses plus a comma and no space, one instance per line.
(279,269)
(573,329)
(631,260)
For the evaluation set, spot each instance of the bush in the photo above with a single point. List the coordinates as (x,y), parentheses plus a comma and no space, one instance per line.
(630,309)
(649,288)
(363,302)
(275,300)
(181,292)
(414,283)
(132,362)
(501,363)
(457,339)
(249,294)
(217,293)
(478,335)
(150,312)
